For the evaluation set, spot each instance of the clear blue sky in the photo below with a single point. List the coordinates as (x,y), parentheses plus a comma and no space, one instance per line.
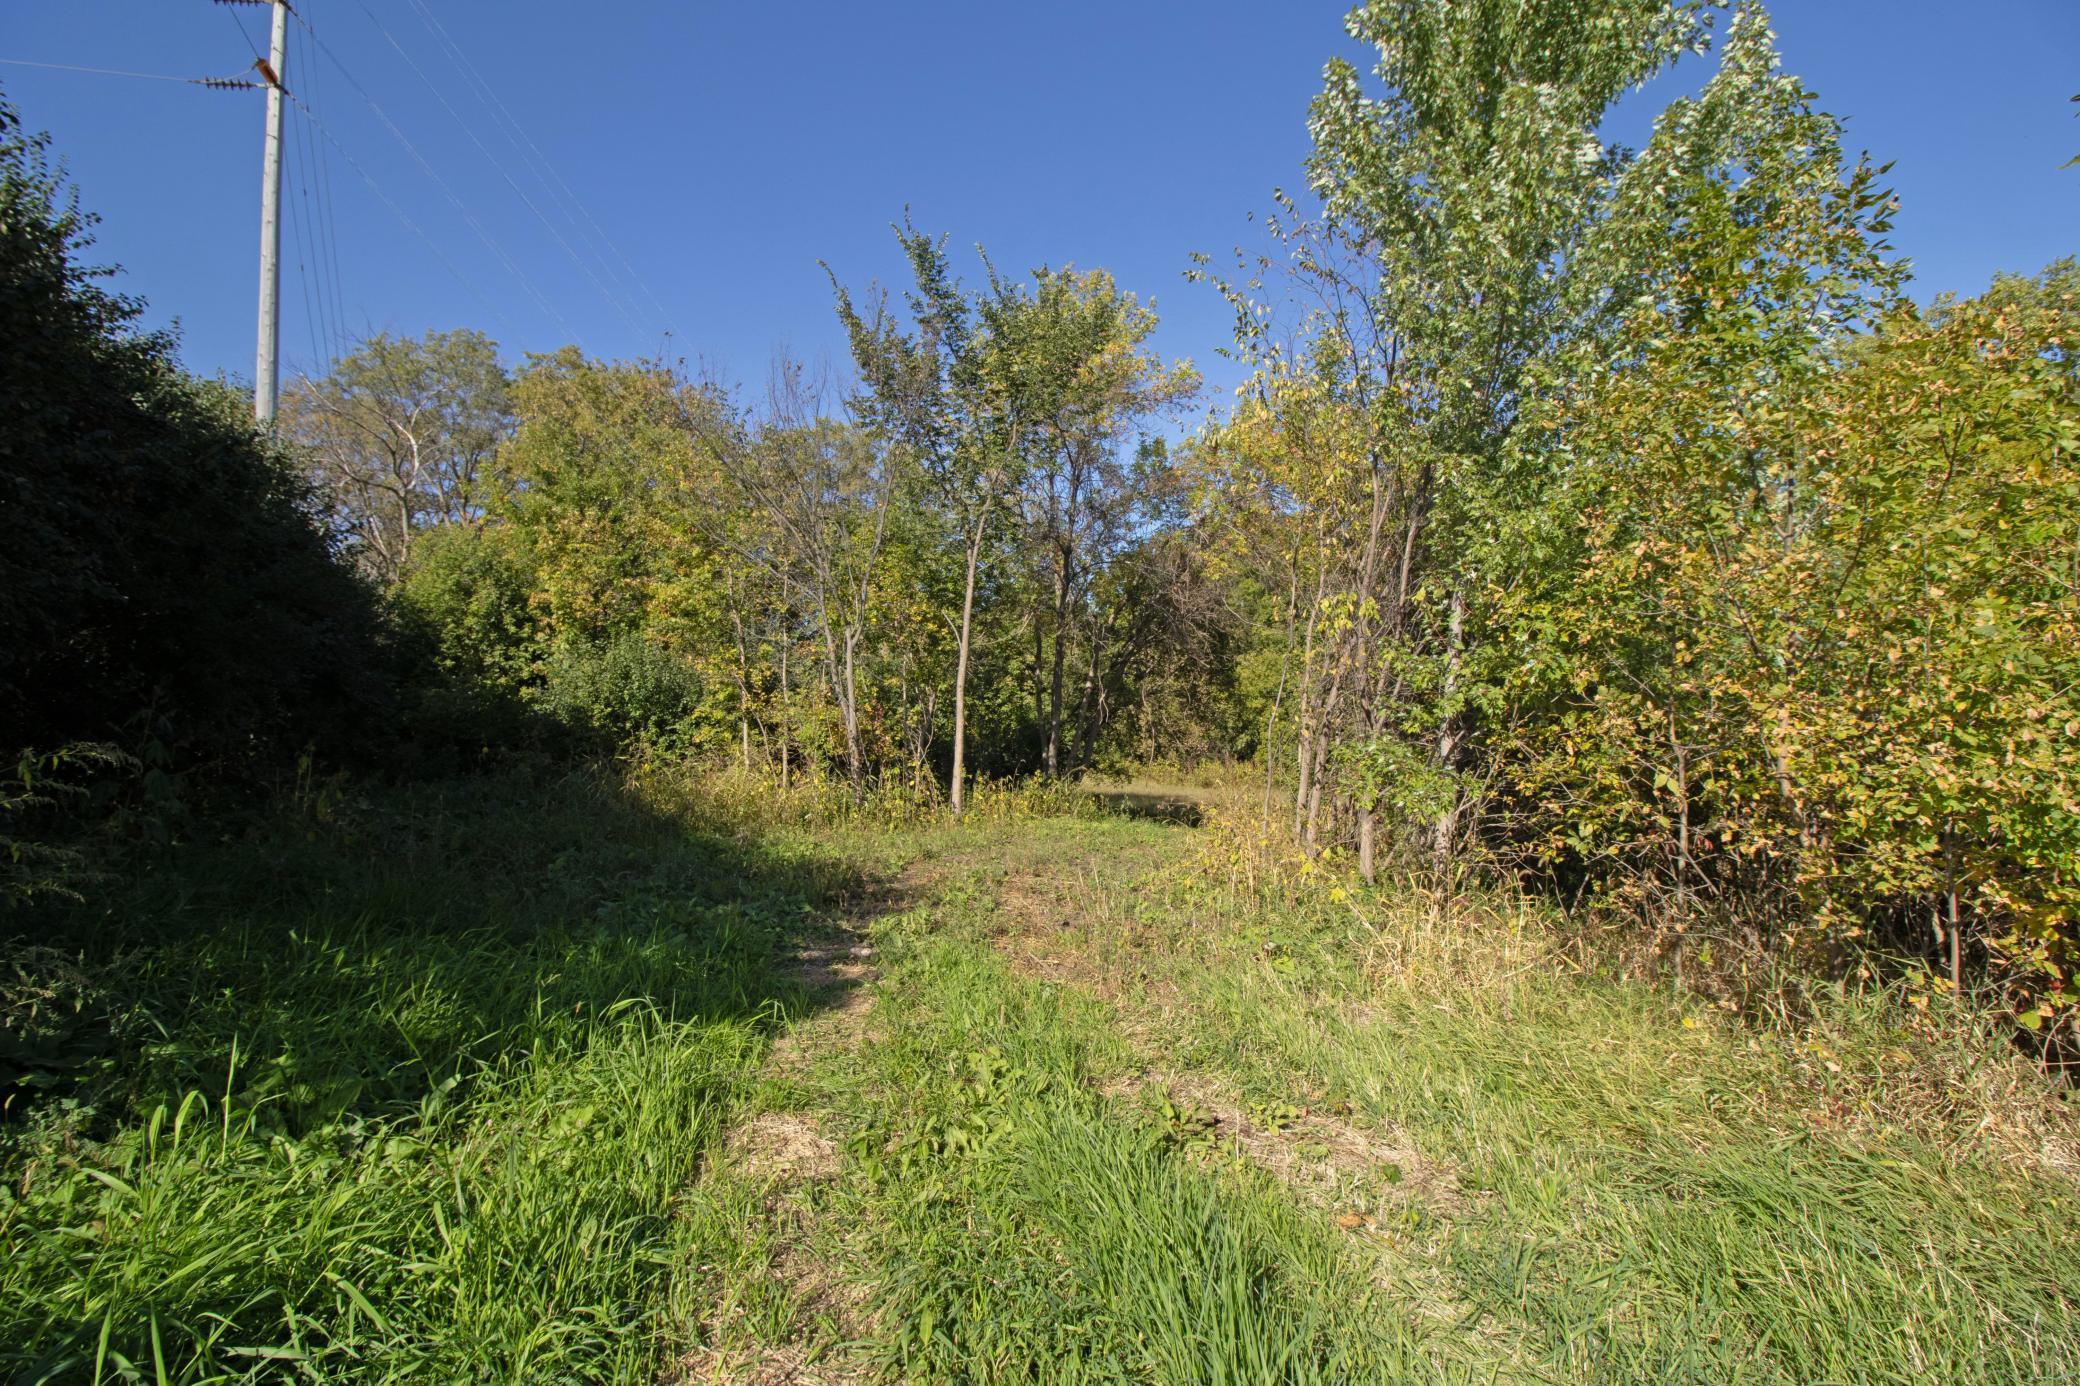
(726,148)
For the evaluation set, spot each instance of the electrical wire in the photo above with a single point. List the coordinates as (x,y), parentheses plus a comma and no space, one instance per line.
(470,218)
(612,301)
(399,212)
(300,237)
(532,152)
(119,72)
(327,201)
(318,222)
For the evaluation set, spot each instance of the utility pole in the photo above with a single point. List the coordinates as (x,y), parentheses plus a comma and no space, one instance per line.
(267,360)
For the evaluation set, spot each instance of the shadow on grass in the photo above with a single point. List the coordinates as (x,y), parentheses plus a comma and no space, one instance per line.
(351,960)
(1160,807)
(407,1086)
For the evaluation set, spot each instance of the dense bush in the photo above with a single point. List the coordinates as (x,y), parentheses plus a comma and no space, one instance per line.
(1797,646)
(162,579)
(627,688)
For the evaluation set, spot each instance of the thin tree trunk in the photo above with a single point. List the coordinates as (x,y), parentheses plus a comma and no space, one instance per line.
(855,753)
(1285,661)
(1087,712)
(786,718)
(1950,909)
(1054,686)
(1448,726)
(1306,734)
(960,668)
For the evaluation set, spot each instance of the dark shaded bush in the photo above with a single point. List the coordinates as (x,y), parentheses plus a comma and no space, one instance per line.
(163,579)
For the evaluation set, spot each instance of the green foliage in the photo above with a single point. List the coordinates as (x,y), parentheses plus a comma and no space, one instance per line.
(286,1121)
(625,688)
(470,588)
(1802,641)
(400,438)
(35,862)
(160,562)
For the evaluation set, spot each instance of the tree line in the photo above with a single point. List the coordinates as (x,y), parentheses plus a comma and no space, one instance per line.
(1618,521)
(962,563)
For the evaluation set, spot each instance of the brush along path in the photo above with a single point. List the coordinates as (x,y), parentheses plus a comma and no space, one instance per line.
(1107,1118)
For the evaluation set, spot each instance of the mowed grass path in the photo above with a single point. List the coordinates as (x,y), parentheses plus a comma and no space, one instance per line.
(542,1082)
(1109,1118)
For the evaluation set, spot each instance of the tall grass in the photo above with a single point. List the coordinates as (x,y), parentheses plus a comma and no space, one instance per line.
(1011,1222)
(407,1095)
(1654,1190)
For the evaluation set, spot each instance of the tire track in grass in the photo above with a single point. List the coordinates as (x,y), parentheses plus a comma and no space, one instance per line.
(775,1168)
(1396,1205)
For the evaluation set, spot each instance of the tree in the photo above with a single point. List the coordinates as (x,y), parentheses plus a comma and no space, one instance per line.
(821,492)
(928,393)
(1474,230)
(401,437)
(1071,352)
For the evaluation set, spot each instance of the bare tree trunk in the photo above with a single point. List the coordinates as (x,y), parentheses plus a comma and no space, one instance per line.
(855,753)
(786,718)
(1307,734)
(1285,661)
(1684,868)
(1054,685)
(1950,908)
(743,689)
(1308,834)
(960,667)
(1448,733)
(1087,715)
(1368,870)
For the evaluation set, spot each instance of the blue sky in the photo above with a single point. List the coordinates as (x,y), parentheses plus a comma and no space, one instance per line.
(725,149)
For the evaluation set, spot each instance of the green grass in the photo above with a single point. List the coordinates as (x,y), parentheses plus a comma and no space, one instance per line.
(410,1095)
(1007,1222)
(1654,1194)
(460,1083)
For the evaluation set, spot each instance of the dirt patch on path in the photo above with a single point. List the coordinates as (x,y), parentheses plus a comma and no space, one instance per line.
(787,1146)
(1321,1153)
(763,1367)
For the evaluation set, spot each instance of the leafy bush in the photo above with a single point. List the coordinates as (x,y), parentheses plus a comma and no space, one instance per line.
(623,688)
(1796,649)
(159,561)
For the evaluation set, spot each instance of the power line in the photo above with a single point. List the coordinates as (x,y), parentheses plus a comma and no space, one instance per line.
(301,229)
(537,160)
(239,20)
(223,82)
(315,217)
(605,294)
(311,318)
(469,217)
(326,201)
(398,211)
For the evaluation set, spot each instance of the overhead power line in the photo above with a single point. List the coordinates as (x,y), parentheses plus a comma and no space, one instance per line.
(224,83)
(614,301)
(469,218)
(397,211)
(537,161)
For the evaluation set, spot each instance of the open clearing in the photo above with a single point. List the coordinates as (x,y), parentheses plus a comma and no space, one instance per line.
(1022,1099)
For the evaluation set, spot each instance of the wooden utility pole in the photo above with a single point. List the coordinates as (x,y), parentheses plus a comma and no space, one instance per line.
(267,358)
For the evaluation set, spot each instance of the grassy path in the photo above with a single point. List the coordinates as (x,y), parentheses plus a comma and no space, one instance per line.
(1096,1121)
(545,1079)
